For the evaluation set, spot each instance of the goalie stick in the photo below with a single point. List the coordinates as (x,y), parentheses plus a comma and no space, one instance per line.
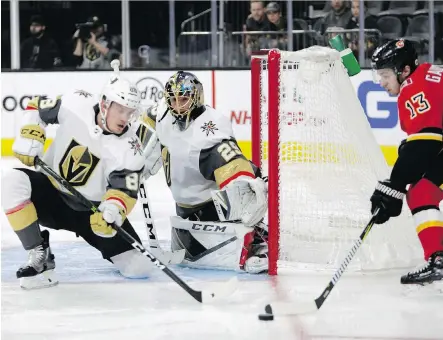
(166,257)
(302,307)
(201,296)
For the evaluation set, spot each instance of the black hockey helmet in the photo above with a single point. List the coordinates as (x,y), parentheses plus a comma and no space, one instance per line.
(395,55)
(184,85)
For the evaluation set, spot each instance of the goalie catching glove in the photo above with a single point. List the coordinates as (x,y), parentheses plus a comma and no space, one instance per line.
(107,214)
(389,199)
(29,144)
(244,199)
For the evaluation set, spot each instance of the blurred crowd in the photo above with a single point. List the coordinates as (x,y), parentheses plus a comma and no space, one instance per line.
(341,16)
(91,49)
(399,19)
(89,44)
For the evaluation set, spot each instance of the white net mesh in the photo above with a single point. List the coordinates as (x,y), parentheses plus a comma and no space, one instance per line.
(329,163)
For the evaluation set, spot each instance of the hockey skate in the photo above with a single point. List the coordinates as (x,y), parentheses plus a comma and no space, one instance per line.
(258,262)
(39,271)
(432,271)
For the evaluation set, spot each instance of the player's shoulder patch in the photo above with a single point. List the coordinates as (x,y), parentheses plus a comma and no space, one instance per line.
(136,145)
(213,123)
(209,127)
(124,151)
(80,102)
(213,127)
(82,93)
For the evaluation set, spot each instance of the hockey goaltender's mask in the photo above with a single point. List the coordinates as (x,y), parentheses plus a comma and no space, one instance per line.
(184,94)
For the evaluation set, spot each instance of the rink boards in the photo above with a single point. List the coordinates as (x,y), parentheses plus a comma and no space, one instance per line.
(227,91)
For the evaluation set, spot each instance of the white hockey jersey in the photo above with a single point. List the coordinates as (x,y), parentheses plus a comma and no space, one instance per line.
(202,158)
(98,164)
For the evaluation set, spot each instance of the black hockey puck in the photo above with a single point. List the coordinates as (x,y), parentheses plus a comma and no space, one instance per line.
(266,317)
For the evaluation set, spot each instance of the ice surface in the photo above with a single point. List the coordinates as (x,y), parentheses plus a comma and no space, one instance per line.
(93,302)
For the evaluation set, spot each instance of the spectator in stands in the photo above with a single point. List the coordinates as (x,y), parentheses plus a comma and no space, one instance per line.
(39,51)
(256,21)
(275,23)
(92,49)
(371,38)
(338,16)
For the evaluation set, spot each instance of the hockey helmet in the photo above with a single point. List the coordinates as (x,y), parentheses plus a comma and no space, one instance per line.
(395,55)
(121,91)
(184,94)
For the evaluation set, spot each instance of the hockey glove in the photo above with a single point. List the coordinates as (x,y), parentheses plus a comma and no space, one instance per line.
(29,144)
(388,199)
(108,213)
(243,199)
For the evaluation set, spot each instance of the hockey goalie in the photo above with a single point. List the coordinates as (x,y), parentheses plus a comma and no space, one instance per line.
(220,197)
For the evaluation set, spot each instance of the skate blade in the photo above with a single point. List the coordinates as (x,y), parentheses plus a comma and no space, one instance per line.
(43,280)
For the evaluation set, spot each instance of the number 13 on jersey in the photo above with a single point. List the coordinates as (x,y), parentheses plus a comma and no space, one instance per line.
(417,104)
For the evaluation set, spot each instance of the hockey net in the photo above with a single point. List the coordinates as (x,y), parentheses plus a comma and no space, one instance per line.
(311,138)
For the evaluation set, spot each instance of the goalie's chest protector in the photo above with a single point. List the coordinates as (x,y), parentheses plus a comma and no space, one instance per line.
(181,155)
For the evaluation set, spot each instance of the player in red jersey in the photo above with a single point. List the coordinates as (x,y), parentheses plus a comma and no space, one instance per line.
(420,155)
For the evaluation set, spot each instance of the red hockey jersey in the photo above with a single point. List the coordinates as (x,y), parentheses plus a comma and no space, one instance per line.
(420,103)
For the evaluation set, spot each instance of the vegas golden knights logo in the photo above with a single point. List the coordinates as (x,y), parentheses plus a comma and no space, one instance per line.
(77,164)
(166,157)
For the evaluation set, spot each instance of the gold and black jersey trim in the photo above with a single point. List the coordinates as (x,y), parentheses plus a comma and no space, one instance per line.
(234,169)
(148,117)
(144,133)
(48,109)
(124,185)
(224,162)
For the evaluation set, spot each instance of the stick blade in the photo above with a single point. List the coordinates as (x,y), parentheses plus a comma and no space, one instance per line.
(222,290)
(297,307)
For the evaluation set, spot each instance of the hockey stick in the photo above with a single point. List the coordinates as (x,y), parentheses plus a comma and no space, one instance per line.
(302,307)
(174,257)
(200,296)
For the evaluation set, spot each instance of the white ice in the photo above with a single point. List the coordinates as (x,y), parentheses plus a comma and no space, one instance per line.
(93,301)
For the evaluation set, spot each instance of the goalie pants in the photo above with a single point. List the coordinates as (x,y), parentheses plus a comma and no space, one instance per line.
(54,213)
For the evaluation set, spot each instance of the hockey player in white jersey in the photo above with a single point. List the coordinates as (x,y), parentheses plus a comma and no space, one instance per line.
(205,169)
(97,150)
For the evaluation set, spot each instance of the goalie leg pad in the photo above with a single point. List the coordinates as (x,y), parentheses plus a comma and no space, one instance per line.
(212,245)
